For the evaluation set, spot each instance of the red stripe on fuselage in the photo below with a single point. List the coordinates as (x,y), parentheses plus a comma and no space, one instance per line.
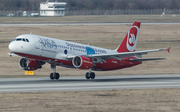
(49,60)
(114,64)
(111,64)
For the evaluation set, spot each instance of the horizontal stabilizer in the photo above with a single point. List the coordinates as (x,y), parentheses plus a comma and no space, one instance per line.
(168,49)
(150,59)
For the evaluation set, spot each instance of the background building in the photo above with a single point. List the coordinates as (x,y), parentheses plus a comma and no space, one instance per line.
(52,8)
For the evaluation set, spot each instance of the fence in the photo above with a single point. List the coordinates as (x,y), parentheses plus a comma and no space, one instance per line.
(98,12)
(121,12)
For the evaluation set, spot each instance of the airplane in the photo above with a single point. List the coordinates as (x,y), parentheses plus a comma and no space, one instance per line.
(36,50)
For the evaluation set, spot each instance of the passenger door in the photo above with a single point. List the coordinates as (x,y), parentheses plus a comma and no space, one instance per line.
(37,50)
(37,42)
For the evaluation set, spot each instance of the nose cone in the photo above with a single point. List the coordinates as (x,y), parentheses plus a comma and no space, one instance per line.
(12,47)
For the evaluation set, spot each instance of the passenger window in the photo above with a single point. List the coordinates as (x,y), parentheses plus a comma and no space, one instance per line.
(27,40)
(18,39)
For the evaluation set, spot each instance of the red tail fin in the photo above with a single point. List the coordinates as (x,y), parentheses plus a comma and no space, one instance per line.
(130,40)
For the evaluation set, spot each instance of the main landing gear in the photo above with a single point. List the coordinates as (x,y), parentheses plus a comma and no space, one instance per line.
(90,74)
(54,75)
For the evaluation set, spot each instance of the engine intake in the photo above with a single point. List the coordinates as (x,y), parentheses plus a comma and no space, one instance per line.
(33,64)
(82,62)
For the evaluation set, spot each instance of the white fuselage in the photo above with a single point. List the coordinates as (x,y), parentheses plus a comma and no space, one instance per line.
(50,48)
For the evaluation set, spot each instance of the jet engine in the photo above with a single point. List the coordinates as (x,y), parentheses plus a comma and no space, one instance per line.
(31,64)
(82,62)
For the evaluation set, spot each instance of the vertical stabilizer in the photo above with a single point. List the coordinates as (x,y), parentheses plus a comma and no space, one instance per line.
(129,42)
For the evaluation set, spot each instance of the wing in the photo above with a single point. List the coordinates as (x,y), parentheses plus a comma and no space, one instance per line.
(149,59)
(12,54)
(102,57)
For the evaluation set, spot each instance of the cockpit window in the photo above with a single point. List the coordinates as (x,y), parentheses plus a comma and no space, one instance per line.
(18,39)
(21,39)
(27,40)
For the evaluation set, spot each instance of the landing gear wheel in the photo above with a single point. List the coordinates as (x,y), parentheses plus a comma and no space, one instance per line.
(54,76)
(87,75)
(92,75)
(51,76)
(57,76)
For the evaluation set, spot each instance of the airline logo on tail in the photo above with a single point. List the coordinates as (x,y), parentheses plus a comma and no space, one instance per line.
(129,42)
(132,37)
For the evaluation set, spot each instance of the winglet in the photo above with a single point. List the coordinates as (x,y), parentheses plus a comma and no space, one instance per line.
(168,49)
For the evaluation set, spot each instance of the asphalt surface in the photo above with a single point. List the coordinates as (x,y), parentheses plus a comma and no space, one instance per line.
(70,24)
(44,84)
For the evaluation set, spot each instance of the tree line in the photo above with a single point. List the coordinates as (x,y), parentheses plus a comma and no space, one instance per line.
(30,5)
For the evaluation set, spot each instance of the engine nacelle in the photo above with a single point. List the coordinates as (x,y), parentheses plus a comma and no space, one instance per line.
(82,62)
(33,64)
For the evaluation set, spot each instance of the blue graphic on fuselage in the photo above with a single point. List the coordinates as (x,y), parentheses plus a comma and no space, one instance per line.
(90,51)
(47,43)
(65,52)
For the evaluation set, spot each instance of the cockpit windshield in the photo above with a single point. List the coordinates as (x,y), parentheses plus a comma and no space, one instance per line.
(21,39)
(27,40)
(18,39)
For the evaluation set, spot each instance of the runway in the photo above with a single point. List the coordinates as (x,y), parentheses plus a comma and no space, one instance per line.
(79,24)
(44,84)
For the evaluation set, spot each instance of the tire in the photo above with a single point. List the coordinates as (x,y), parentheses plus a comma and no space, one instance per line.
(87,75)
(92,75)
(51,76)
(57,76)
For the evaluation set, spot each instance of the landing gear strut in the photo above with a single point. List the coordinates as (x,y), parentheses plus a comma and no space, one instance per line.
(27,65)
(90,74)
(54,75)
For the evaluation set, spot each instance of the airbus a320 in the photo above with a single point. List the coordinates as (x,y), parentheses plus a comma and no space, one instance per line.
(36,50)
